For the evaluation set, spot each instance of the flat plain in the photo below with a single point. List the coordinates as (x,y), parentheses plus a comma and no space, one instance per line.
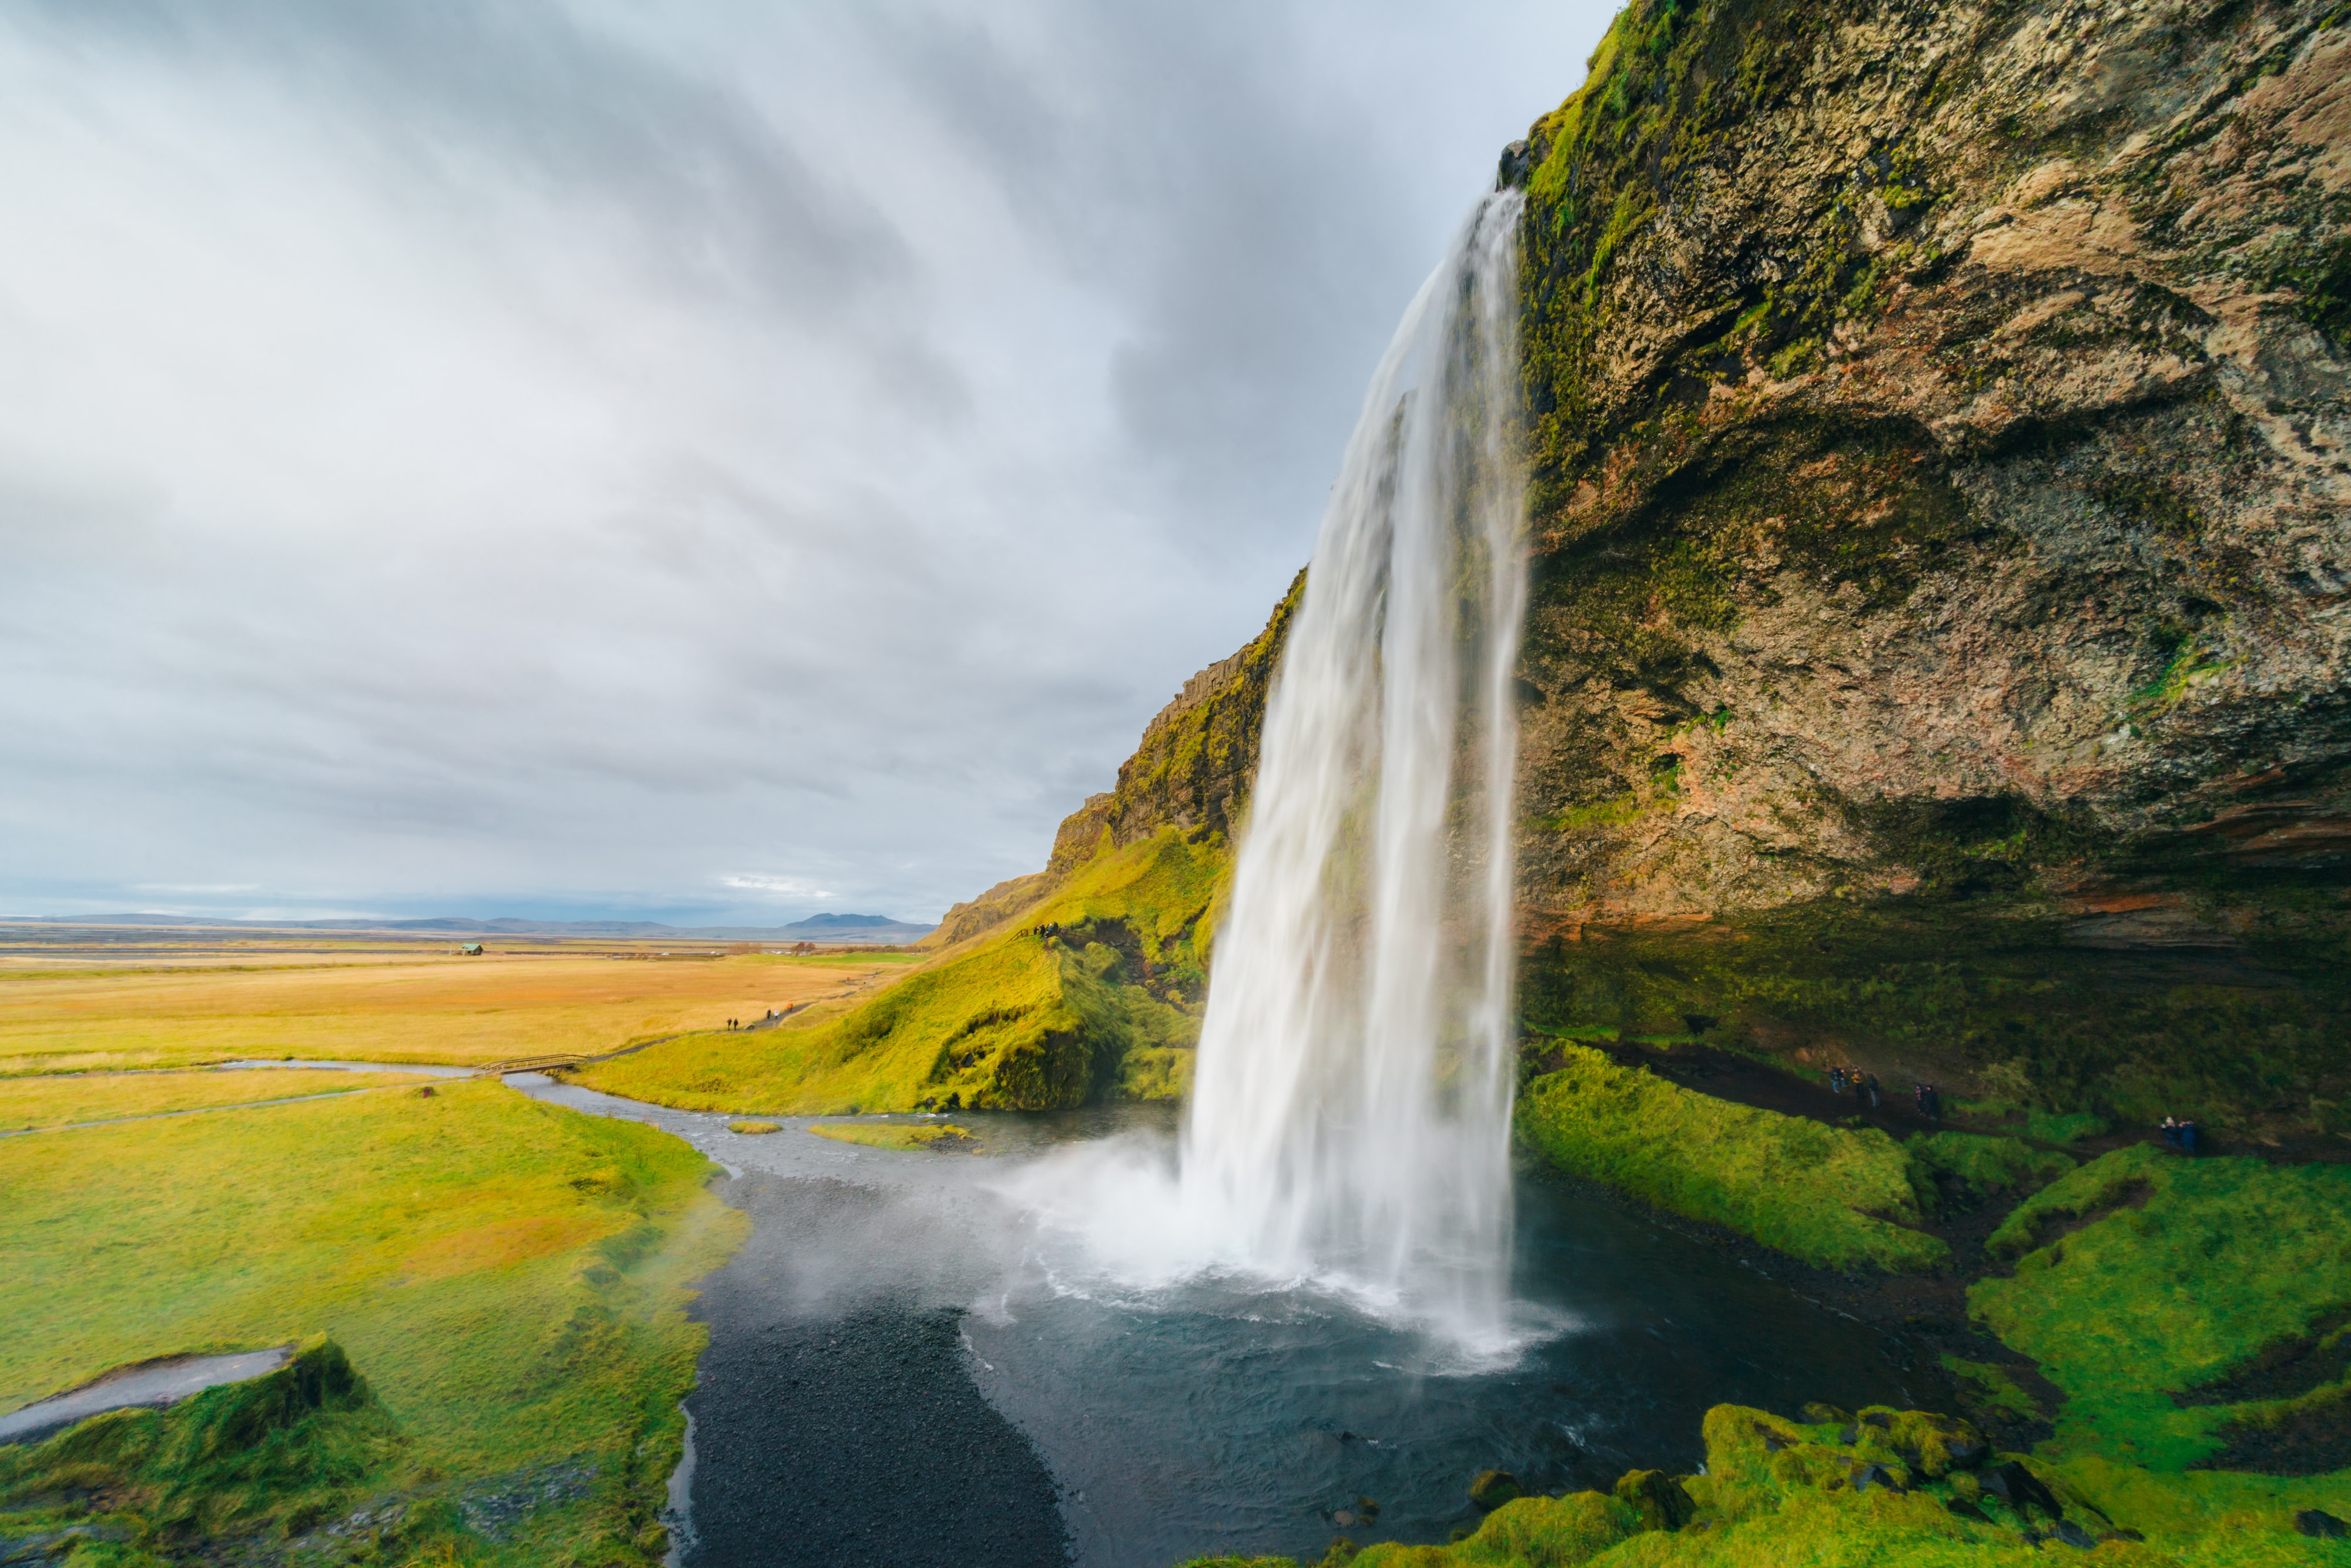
(242,998)
(70,1099)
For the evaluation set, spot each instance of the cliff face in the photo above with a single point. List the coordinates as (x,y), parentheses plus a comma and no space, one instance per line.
(1940,540)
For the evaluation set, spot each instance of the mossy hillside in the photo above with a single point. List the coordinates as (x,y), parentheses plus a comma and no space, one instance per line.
(509,1276)
(2186,1271)
(1980,1165)
(1838,1197)
(266,1457)
(1106,1005)
(1974,988)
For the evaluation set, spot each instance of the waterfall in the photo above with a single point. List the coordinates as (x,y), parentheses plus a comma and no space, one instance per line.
(1350,1116)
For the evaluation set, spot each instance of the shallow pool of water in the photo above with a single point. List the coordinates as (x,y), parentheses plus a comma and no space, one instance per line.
(1222,1412)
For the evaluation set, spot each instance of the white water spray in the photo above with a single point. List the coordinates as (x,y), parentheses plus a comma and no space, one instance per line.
(1351,1110)
(1350,1114)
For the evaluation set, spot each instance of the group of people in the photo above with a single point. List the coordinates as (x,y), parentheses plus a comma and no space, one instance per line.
(1862,1084)
(769,1017)
(2180,1135)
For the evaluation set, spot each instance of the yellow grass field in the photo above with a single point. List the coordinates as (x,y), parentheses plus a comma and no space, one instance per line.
(70,1098)
(442,1008)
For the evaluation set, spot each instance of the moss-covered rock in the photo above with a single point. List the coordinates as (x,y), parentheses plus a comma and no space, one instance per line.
(1840,1197)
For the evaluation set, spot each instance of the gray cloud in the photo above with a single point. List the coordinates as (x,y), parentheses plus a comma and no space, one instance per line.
(711,459)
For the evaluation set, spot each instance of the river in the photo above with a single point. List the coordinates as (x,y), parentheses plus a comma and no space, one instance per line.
(897,1319)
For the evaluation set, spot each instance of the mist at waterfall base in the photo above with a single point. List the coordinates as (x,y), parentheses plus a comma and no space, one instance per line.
(1223,1410)
(1348,1130)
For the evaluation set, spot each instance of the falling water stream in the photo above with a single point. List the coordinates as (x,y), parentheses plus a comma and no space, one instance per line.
(1349,1124)
(1351,1112)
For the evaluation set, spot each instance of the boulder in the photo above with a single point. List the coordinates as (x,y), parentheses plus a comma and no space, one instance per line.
(2072,1534)
(1966,1510)
(1821,1415)
(2320,1523)
(2021,1489)
(1865,1477)
(1492,1488)
(1658,1498)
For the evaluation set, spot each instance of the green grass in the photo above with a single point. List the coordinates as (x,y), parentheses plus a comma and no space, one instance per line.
(1006,1020)
(266,1457)
(509,1276)
(896,1134)
(1987,1165)
(1814,1191)
(76,1097)
(2066,1127)
(2227,1258)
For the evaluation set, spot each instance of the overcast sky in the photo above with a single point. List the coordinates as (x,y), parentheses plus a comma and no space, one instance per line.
(711,462)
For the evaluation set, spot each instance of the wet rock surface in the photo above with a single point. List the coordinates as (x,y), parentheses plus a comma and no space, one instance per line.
(846,1429)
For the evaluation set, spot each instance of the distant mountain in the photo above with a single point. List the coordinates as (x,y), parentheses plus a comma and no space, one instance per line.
(863,930)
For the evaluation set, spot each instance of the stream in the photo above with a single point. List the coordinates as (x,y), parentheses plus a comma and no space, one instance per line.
(893,1311)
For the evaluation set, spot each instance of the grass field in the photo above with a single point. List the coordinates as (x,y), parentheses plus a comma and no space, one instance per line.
(2186,1269)
(439,1009)
(90,1097)
(508,1277)
(1828,1195)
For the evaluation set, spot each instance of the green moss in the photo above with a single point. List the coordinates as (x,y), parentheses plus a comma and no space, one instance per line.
(932,1135)
(2185,1270)
(2067,1127)
(1980,978)
(239,1459)
(1833,1195)
(1984,1166)
(1553,1530)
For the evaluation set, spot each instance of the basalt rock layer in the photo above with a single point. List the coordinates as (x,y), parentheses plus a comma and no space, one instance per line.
(1942,571)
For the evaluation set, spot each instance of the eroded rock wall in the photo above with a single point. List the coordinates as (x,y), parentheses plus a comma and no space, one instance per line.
(1939,506)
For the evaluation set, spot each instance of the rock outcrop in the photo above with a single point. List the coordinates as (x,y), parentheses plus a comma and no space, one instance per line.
(1940,537)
